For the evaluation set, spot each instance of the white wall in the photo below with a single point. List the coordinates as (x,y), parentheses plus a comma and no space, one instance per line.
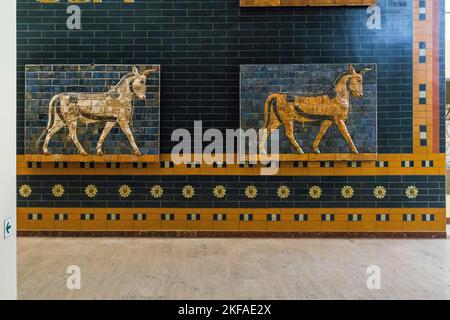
(8,276)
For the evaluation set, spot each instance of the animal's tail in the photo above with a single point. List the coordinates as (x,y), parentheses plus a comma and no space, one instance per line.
(51,110)
(266,108)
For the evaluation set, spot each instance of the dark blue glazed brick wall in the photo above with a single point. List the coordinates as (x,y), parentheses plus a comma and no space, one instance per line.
(201,43)
(431,192)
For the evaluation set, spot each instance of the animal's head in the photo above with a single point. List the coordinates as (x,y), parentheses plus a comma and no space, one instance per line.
(356,80)
(138,82)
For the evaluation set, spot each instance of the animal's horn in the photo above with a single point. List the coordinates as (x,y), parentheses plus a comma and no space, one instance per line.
(146,73)
(364,70)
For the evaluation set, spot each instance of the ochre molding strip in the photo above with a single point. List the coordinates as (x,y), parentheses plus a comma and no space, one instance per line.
(387,164)
(436,76)
(425,77)
(235,234)
(315,220)
(90,158)
(156,158)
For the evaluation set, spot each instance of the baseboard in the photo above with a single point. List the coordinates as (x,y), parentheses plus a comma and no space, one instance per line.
(448,220)
(235,234)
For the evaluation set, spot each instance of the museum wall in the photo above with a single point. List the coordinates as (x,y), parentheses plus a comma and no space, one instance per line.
(205,52)
(8,240)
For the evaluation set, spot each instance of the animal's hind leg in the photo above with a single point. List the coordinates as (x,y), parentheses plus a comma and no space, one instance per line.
(273,125)
(265,135)
(73,135)
(343,129)
(124,125)
(106,131)
(289,132)
(323,130)
(57,125)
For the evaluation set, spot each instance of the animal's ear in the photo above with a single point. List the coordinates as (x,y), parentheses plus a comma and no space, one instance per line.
(351,69)
(135,71)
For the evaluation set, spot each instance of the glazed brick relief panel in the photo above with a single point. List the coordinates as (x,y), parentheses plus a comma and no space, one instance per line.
(308,96)
(91,97)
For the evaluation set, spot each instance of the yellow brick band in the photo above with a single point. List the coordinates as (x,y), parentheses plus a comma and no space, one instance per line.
(387,164)
(176,219)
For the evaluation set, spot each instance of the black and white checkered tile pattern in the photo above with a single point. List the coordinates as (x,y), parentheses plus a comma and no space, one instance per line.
(87,216)
(113,216)
(219,217)
(61,216)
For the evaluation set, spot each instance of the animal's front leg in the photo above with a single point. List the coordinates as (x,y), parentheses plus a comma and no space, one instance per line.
(124,125)
(106,131)
(323,130)
(343,129)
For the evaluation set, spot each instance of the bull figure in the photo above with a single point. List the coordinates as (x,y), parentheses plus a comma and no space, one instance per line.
(114,106)
(325,108)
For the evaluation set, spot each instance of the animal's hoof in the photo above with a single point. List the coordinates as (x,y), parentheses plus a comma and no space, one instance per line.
(83,153)
(263,152)
(138,153)
(99,152)
(46,152)
(355,151)
(316,151)
(300,151)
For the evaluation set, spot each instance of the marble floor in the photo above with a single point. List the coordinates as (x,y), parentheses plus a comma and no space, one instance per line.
(124,268)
